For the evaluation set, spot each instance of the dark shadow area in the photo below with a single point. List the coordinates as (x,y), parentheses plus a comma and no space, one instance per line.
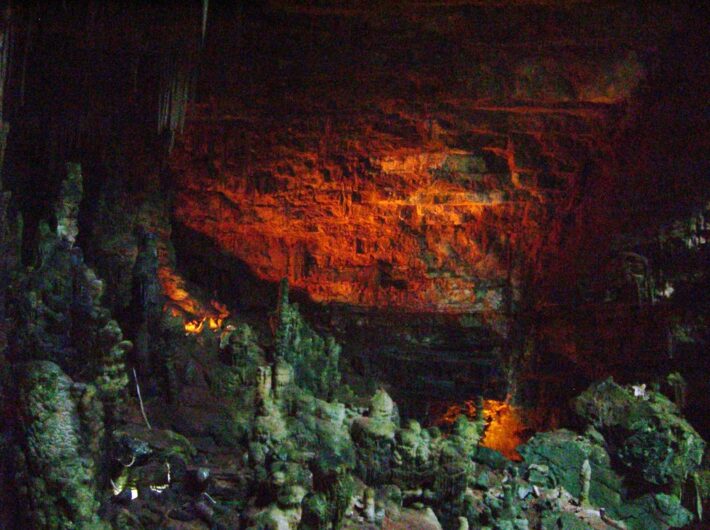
(423,358)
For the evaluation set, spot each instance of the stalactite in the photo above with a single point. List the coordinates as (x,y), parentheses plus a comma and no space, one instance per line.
(184,88)
(161,111)
(5,55)
(205,9)
(192,89)
(3,67)
(164,100)
(175,123)
(25,57)
(173,112)
(135,67)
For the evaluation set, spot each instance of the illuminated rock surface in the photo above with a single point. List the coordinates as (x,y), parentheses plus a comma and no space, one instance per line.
(385,204)
(309,236)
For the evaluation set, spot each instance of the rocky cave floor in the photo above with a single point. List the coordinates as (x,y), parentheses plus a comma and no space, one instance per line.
(219,426)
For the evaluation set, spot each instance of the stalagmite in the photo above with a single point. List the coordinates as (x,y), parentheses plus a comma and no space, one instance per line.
(67,207)
(585,478)
(370,505)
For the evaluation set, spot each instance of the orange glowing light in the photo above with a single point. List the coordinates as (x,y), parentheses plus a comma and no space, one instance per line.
(194,326)
(505,429)
(455,410)
(193,311)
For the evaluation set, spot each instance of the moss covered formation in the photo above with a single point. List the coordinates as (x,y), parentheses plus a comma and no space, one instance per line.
(314,359)
(650,437)
(58,479)
(264,435)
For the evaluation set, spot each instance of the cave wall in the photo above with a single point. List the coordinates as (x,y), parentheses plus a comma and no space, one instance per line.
(453,182)
(448,179)
(400,160)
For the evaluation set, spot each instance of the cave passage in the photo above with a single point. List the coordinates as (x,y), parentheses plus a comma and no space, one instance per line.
(300,264)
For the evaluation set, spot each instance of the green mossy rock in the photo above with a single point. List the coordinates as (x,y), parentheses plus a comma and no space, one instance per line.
(140,441)
(702,481)
(540,475)
(277,518)
(564,452)
(291,482)
(653,441)
(563,521)
(316,512)
(654,512)
(491,458)
(59,478)
(315,360)
(374,438)
(245,356)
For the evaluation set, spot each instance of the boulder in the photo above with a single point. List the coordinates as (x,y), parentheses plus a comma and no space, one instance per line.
(645,428)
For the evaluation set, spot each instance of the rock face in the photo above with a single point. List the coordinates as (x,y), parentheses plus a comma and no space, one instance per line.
(446,178)
(418,180)
(392,208)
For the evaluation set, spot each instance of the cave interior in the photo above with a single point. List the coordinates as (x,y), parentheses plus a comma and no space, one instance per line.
(347,264)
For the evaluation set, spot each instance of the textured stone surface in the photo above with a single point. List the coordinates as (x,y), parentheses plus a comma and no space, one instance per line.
(417,176)
(446,179)
(374,218)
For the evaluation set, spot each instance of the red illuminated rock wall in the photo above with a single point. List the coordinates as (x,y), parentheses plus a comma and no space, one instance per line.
(372,221)
(456,177)
(382,170)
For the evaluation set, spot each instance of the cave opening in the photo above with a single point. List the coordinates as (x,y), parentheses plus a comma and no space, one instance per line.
(333,264)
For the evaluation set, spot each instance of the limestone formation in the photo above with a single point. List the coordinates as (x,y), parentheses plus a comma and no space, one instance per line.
(585,478)
(503,198)
(67,208)
(58,481)
(374,437)
(631,423)
(113,377)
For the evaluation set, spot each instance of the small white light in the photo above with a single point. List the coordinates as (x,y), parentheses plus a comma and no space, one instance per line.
(640,391)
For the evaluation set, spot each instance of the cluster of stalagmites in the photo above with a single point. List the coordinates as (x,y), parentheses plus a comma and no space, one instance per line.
(290,447)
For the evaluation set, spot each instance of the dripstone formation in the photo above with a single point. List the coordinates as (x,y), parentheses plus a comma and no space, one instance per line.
(278,442)
(344,265)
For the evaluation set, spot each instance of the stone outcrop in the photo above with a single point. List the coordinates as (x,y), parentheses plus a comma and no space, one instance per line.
(426,176)
(391,208)
(54,476)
